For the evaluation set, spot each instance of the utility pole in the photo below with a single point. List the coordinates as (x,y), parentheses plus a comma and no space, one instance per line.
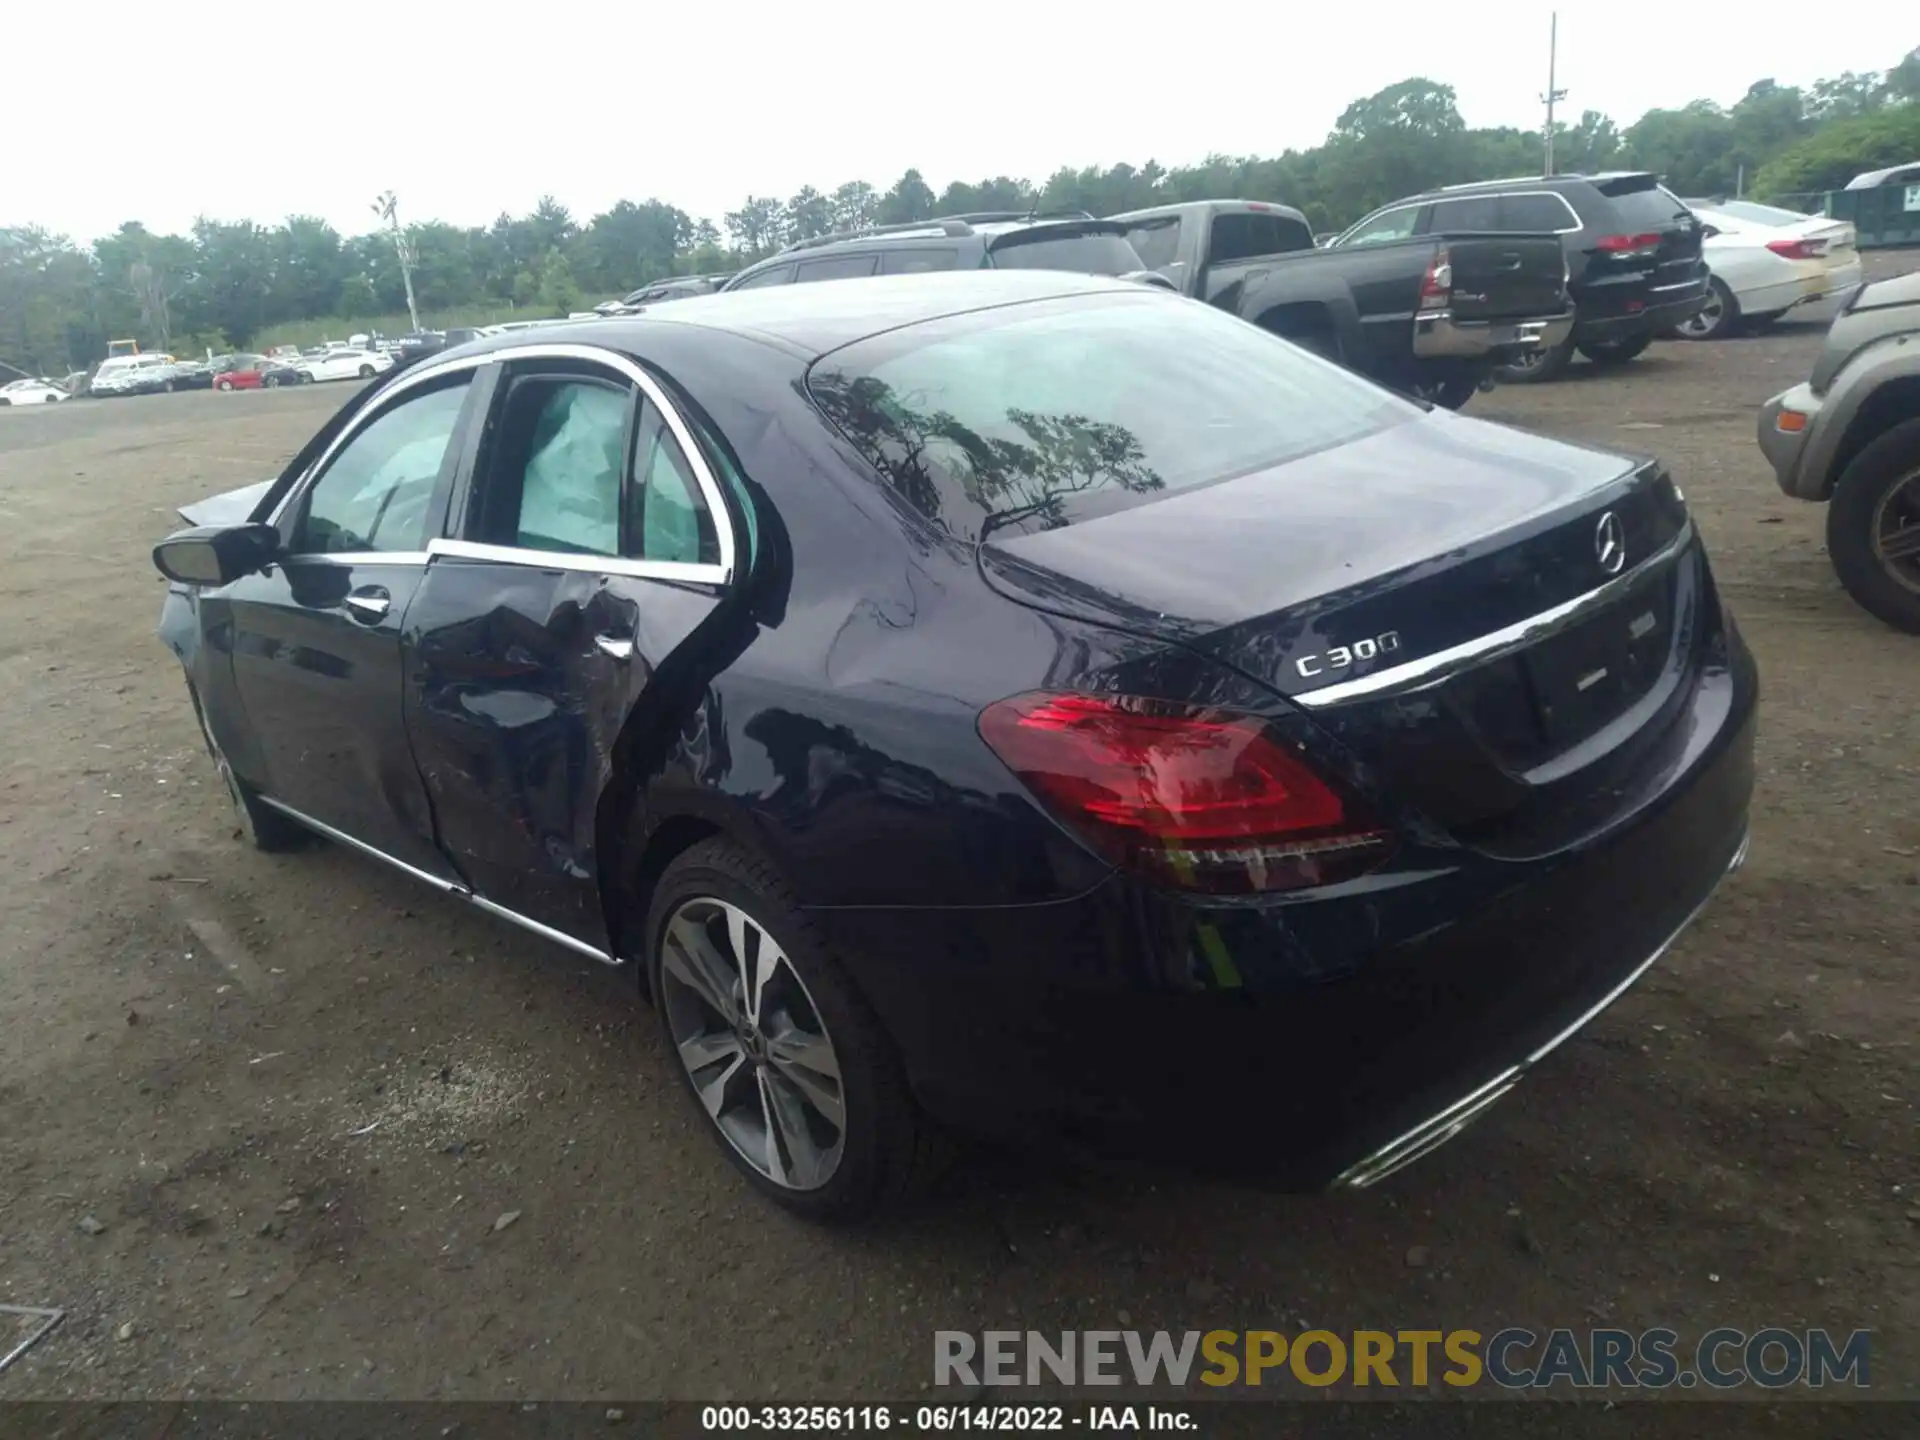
(387,208)
(1553,96)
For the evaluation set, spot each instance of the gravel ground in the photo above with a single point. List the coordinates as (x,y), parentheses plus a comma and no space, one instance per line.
(291,1128)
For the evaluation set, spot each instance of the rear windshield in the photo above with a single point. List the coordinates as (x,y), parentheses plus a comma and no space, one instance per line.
(1760,214)
(1157,241)
(1050,413)
(1640,204)
(1095,252)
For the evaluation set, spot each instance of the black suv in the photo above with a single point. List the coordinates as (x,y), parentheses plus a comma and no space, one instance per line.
(995,239)
(1634,262)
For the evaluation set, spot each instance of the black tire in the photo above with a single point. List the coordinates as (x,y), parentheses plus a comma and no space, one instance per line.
(1615,352)
(223,385)
(259,824)
(1876,494)
(272,382)
(1450,392)
(366,372)
(167,386)
(1717,319)
(1323,343)
(1546,363)
(889,1150)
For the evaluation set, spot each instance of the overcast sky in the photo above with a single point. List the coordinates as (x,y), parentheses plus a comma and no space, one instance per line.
(260,110)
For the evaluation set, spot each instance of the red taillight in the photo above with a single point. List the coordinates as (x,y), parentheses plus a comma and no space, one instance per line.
(1628,244)
(1436,289)
(1798,249)
(1195,798)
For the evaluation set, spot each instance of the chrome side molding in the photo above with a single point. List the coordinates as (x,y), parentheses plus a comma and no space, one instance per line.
(446,887)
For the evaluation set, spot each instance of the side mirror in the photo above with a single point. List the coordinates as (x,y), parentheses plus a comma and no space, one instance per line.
(216,554)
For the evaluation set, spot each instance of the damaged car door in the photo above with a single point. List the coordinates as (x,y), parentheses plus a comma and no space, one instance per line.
(589,542)
(315,636)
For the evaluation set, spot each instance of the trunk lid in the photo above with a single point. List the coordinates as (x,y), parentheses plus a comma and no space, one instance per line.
(1489,622)
(1641,209)
(1506,277)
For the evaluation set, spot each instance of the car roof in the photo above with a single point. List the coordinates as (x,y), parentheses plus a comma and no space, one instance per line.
(1536,182)
(944,231)
(812,319)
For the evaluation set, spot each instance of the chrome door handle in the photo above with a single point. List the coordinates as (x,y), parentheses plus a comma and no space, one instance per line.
(369,604)
(613,645)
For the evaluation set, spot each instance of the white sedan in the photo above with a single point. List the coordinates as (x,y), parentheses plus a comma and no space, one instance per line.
(344,365)
(1765,261)
(31,392)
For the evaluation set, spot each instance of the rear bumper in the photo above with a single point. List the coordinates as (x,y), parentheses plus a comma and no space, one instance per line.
(1237,1039)
(1814,284)
(1661,309)
(1441,336)
(1434,1131)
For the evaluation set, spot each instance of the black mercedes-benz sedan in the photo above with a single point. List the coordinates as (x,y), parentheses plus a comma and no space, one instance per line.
(1016,702)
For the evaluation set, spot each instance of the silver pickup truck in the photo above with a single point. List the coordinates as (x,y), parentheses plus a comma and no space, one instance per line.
(1850,436)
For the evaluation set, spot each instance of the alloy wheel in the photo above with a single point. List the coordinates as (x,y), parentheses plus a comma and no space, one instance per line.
(1706,322)
(1896,532)
(752,1042)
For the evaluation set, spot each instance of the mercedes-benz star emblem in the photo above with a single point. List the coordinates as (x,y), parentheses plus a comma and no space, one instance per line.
(1610,544)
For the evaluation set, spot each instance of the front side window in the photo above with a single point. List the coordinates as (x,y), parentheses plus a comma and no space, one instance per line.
(1045,414)
(377,492)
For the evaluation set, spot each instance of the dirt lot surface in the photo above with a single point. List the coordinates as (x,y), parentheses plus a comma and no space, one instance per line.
(261,1119)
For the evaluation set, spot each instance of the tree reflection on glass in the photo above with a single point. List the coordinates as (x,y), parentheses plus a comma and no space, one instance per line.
(962,479)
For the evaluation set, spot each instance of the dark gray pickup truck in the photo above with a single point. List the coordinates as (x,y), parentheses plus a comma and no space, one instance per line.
(1431,316)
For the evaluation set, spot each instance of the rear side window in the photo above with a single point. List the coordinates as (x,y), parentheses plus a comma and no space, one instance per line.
(1640,204)
(1090,252)
(667,517)
(575,434)
(1468,213)
(919,260)
(1041,415)
(1386,226)
(1157,242)
(1537,214)
(836,267)
(778,275)
(1242,237)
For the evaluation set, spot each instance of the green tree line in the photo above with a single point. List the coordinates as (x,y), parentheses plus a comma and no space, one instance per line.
(226,282)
